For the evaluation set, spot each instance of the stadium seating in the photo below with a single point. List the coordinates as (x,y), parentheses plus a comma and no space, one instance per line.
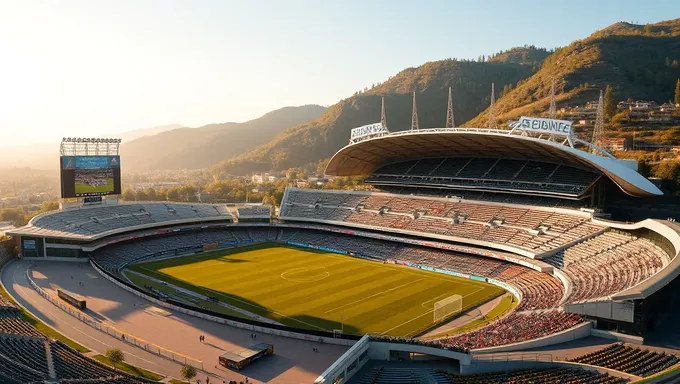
(633,360)
(534,230)
(515,328)
(530,376)
(25,359)
(487,172)
(535,316)
(19,372)
(493,223)
(87,222)
(12,323)
(539,290)
(608,263)
(262,211)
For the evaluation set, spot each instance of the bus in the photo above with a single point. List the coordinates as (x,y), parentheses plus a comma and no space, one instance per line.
(71,298)
(241,359)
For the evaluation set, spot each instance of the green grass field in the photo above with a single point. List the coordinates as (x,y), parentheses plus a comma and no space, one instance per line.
(84,188)
(311,289)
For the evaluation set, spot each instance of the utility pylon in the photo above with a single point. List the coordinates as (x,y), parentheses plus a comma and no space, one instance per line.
(599,121)
(553,108)
(492,109)
(450,122)
(414,114)
(383,118)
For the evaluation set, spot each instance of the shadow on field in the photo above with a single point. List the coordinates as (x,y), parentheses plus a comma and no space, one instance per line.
(302,321)
(231,260)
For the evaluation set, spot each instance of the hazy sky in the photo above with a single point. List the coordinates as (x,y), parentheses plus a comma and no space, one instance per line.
(81,68)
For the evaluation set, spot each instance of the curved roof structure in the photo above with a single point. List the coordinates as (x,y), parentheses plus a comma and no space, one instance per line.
(364,157)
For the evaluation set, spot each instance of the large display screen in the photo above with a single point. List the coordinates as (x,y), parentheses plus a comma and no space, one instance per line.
(83,176)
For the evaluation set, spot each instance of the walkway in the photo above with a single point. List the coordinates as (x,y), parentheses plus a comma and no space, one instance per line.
(293,361)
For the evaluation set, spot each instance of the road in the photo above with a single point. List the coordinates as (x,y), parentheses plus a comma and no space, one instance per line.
(294,361)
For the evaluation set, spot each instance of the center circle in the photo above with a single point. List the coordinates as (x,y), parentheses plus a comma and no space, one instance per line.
(305,275)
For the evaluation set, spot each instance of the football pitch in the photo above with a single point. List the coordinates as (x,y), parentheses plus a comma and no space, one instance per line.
(85,188)
(306,288)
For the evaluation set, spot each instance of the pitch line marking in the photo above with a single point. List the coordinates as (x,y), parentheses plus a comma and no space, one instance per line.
(374,295)
(249,304)
(426,313)
(419,272)
(301,269)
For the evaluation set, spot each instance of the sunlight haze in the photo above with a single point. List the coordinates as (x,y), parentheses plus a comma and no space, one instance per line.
(87,68)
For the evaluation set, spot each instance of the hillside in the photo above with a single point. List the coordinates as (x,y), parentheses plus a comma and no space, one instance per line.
(529,55)
(202,147)
(137,133)
(637,60)
(320,138)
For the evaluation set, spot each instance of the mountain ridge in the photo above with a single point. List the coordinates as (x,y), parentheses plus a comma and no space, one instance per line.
(308,143)
(193,148)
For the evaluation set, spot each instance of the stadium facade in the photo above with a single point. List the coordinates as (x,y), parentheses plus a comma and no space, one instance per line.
(519,208)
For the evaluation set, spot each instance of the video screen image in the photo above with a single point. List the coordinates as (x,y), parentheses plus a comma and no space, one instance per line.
(83,176)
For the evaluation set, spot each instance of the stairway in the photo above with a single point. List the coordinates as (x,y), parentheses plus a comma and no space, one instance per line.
(50,363)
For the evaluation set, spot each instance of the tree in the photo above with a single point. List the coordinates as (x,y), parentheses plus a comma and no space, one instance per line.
(115,356)
(643,168)
(609,103)
(128,195)
(671,136)
(188,372)
(677,92)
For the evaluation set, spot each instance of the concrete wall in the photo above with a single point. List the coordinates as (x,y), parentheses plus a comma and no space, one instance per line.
(617,336)
(341,367)
(577,332)
(381,351)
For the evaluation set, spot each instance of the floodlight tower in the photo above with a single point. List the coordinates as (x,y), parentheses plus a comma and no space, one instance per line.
(599,121)
(450,122)
(414,114)
(383,117)
(492,109)
(553,107)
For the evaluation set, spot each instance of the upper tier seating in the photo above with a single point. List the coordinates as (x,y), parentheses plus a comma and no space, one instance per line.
(489,173)
(534,230)
(255,211)
(633,360)
(93,221)
(608,263)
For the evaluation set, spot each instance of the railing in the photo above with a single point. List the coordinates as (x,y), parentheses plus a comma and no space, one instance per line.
(516,356)
(111,331)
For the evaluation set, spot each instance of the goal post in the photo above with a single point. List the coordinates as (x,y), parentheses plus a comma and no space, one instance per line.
(447,307)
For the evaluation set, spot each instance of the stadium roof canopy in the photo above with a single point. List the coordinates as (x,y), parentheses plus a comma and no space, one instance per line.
(92,223)
(364,157)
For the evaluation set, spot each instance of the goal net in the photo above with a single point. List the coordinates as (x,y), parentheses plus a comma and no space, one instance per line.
(447,307)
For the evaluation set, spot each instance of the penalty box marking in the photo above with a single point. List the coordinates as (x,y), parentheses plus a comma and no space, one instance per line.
(424,314)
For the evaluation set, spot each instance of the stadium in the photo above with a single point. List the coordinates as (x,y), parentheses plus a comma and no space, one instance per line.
(478,256)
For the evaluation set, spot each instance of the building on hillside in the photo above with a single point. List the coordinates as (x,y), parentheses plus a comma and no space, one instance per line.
(637,105)
(668,107)
(615,143)
(259,178)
